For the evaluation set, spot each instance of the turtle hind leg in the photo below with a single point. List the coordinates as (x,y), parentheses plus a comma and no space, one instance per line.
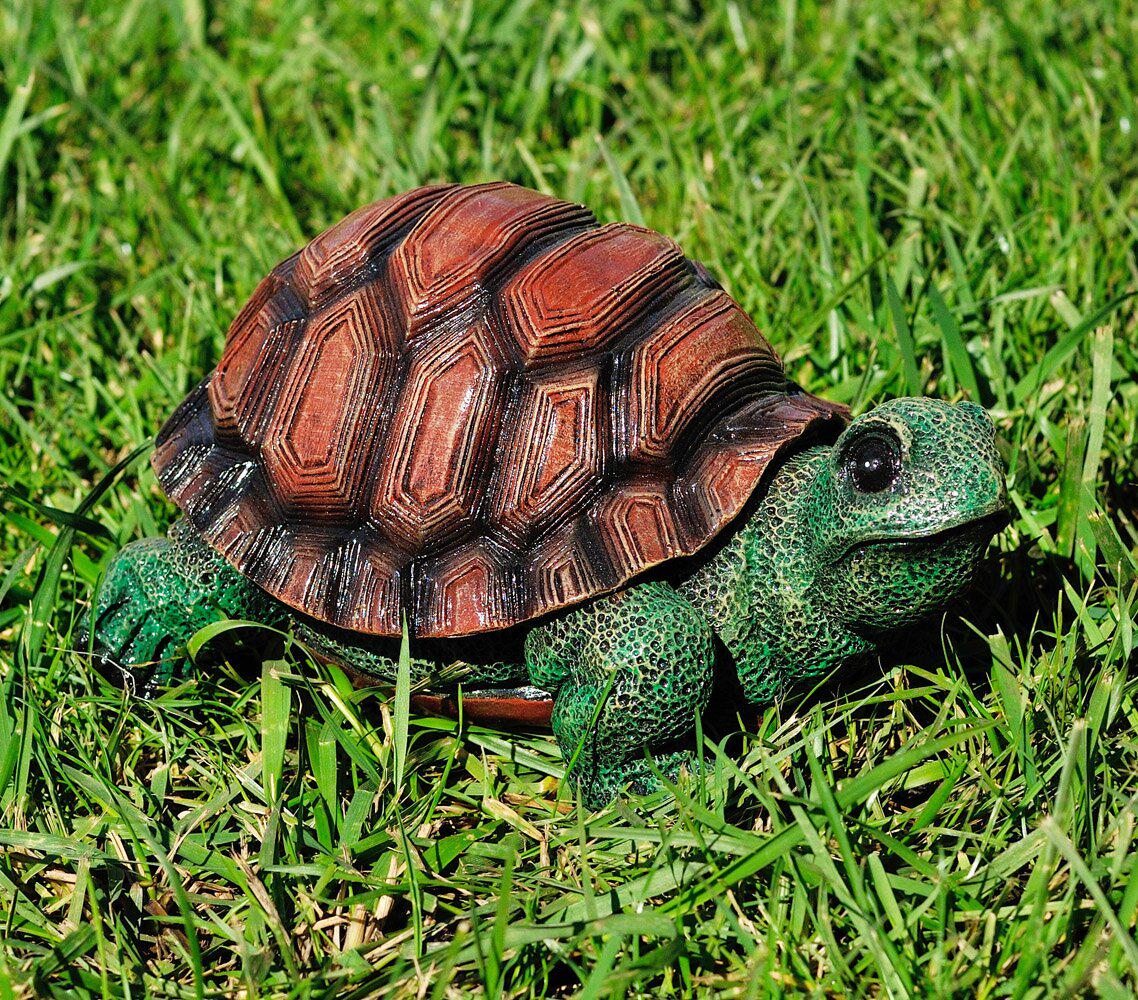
(157,592)
(630,672)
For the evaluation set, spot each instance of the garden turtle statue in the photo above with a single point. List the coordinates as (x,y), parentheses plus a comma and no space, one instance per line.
(567,459)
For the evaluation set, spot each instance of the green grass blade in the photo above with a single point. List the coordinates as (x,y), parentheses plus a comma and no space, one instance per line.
(276,699)
(914,385)
(13,116)
(963,368)
(402,712)
(47,586)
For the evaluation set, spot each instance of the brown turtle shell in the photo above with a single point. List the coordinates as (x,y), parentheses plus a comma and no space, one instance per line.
(478,405)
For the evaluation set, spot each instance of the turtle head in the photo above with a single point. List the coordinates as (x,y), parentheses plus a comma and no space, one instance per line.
(906,504)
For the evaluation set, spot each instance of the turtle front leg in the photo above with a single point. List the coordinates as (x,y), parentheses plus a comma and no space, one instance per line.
(158,592)
(630,674)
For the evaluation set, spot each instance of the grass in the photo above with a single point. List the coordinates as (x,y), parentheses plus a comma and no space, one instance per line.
(936,198)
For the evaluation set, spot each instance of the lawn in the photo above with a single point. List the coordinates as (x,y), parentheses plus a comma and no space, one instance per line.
(933,198)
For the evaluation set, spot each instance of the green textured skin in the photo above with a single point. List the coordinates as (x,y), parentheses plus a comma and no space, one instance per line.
(818,576)
(159,591)
(631,672)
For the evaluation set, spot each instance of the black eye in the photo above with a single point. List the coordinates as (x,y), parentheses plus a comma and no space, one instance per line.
(873,463)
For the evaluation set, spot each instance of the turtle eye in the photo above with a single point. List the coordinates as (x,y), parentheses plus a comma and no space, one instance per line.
(872,462)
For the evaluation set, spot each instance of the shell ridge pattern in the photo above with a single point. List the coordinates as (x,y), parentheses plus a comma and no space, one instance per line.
(479,405)
(345,255)
(454,250)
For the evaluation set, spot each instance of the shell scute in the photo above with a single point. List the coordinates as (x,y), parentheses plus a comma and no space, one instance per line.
(563,569)
(330,400)
(694,366)
(638,527)
(373,602)
(450,256)
(257,349)
(429,480)
(470,587)
(342,254)
(556,453)
(588,292)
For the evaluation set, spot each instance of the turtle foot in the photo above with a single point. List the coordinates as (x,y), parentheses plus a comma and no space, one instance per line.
(157,593)
(137,622)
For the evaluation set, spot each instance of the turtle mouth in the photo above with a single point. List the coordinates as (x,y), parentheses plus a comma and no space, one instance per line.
(984,525)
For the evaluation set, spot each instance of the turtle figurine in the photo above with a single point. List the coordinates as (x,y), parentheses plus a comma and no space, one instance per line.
(565,457)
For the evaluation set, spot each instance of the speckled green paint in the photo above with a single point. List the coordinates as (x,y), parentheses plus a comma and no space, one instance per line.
(641,663)
(159,591)
(819,576)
